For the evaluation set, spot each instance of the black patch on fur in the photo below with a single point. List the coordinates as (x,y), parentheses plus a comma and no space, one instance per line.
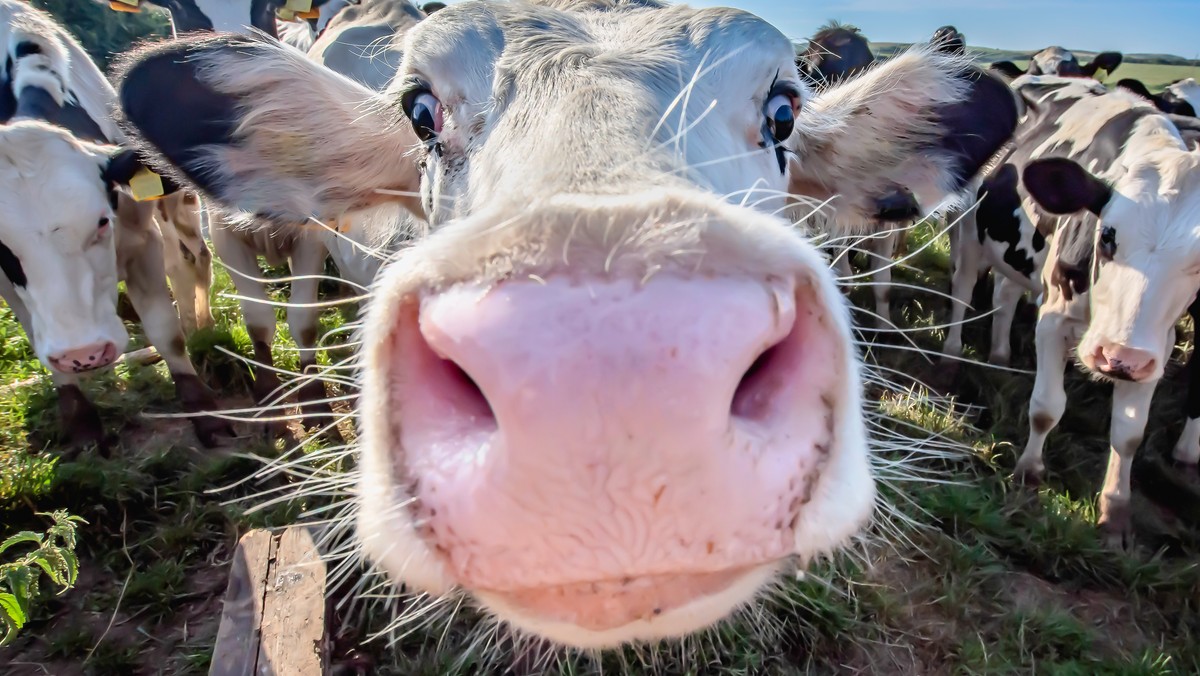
(35,103)
(975,128)
(168,106)
(25,48)
(947,39)
(1007,68)
(1192,406)
(898,205)
(996,218)
(12,266)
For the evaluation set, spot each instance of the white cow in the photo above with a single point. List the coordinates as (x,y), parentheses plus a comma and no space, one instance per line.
(607,397)
(67,235)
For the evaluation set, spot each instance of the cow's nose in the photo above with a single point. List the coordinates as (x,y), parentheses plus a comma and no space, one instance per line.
(563,432)
(1123,362)
(86,358)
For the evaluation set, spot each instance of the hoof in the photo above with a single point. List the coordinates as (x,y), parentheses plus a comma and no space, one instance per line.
(82,421)
(1116,527)
(1028,475)
(999,359)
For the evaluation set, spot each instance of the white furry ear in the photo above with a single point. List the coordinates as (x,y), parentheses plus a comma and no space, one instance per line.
(262,129)
(894,142)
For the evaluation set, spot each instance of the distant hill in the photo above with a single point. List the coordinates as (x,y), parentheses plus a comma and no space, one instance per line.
(988,55)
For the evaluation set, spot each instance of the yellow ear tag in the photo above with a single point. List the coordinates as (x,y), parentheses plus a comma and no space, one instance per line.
(130,6)
(310,14)
(146,185)
(299,5)
(285,14)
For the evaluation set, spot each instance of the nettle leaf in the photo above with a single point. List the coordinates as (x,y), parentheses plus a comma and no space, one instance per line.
(50,560)
(12,609)
(23,536)
(22,582)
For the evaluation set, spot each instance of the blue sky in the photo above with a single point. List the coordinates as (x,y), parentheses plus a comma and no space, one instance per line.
(1158,26)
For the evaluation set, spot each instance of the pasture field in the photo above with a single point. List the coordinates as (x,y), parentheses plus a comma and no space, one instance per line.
(965,573)
(1156,76)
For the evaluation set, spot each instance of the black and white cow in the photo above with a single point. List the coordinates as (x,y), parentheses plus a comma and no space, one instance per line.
(1061,62)
(1179,98)
(614,393)
(1097,208)
(949,40)
(225,16)
(68,234)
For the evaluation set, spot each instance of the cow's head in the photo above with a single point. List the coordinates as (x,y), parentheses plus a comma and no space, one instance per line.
(1169,101)
(1060,62)
(1147,252)
(948,39)
(614,393)
(836,52)
(57,215)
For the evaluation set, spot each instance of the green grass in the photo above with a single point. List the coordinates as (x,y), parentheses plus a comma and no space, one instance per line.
(994,580)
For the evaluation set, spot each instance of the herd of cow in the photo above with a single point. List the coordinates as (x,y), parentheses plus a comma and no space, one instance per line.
(613,393)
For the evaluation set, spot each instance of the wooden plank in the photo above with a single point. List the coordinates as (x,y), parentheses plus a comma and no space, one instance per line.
(145,356)
(293,623)
(236,651)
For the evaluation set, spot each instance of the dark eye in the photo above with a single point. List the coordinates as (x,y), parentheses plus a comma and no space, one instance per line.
(781,116)
(103,222)
(1108,242)
(424,111)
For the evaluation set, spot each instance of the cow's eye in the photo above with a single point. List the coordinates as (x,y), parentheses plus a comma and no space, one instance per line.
(424,111)
(103,223)
(781,115)
(1108,242)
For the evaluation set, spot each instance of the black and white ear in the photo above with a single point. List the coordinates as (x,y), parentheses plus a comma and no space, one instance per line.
(893,143)
(1105,61)
(1009,69)
(1061,186)
(122,165)
(262,129)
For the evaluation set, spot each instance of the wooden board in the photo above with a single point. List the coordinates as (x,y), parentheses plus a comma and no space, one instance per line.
(273,621)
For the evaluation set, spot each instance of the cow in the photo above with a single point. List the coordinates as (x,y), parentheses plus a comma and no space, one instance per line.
(614,393)
(1061,62)
(1179,98)
(359,44)
(69,232)
(1094,208)
(226,16)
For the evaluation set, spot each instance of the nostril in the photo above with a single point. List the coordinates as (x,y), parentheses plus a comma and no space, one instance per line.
(759,391)
(433,386)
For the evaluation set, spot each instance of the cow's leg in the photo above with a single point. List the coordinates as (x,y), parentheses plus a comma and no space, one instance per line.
(182,285)
(880,252)
(1187,449)
(1131,407)
(307,263)
(1005,295)
(967,256)
(195,252)
(1049,399)
(841,265)
(140,252)
(242,260)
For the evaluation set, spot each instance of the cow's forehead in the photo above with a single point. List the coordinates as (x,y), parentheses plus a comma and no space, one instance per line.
(535,42)
(46,178)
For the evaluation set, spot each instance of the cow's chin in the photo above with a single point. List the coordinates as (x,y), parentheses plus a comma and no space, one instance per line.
(598,462)
(610,613)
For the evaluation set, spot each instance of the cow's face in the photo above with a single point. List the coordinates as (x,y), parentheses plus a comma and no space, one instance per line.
(1147,254)
(1184,93)
(56,245)
(613,394)
(231,16)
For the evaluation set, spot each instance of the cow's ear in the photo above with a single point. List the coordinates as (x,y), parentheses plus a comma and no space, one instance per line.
(1061,186)
(1009,69)
(262,129)
(1105,61)
(895,142)
(122,165)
